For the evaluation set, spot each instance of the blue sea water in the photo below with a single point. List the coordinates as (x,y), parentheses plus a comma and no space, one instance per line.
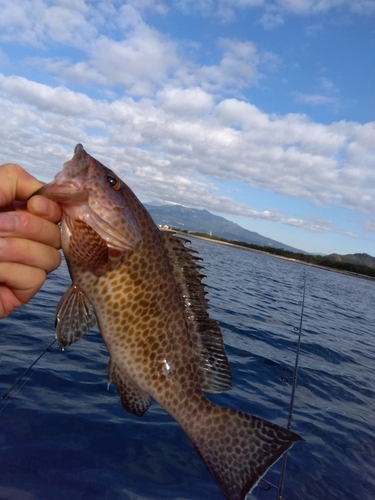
(64,436)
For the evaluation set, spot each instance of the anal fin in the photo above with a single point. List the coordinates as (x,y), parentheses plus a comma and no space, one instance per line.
(133,399)
(75,316)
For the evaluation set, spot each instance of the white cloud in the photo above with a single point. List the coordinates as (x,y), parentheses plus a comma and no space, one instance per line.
(237,69)
(59,100)
(271,19)
(192,101)
(315,99)
(317,6)
(145,61)
(144,104)
(274,10)
(165,154)
(131,56)
(327,84)
(154,5)
(327,94)
(4,59)
(76,23)
(139,63)
(369,225)
(138,59)
(178,134)
(238,66)
(37,22)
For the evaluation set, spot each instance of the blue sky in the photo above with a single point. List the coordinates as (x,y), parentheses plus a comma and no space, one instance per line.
(262,111)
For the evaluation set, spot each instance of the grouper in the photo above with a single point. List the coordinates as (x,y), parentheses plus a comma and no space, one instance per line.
(144,289)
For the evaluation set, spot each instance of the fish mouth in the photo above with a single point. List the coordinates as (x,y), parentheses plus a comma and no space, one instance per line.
(68,186)
(65,191)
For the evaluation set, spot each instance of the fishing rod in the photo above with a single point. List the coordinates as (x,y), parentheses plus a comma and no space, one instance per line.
(6,393)
(291,405)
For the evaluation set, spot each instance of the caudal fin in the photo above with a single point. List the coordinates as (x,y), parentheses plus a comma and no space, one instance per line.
(237,448)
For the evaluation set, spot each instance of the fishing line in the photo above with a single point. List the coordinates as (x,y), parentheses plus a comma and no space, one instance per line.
(264,484)
(10,398)
(291,405)
(6,393)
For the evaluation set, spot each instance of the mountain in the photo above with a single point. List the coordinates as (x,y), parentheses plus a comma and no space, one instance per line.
(202,221)
(361,259)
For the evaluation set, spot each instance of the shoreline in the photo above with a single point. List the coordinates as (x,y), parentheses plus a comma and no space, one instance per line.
(261,252)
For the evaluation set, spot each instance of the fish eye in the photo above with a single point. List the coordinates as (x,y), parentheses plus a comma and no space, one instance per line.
(114,182)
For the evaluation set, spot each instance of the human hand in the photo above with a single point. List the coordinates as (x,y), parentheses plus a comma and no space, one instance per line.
(29,237)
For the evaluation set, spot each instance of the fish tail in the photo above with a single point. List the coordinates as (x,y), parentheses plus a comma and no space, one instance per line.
(237,448)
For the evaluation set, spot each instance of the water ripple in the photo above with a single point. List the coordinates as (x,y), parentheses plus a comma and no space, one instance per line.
(64,435)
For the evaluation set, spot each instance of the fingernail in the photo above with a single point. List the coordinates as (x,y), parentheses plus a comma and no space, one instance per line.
(8,222)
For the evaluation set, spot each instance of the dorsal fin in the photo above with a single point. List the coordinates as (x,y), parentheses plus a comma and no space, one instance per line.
(207,337)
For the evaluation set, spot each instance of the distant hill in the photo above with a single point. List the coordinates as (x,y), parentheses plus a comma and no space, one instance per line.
(361,259)
(202,221)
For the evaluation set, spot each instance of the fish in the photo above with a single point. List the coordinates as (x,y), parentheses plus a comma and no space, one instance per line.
(143,287)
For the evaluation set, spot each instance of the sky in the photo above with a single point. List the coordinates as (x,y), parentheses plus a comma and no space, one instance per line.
(261,111)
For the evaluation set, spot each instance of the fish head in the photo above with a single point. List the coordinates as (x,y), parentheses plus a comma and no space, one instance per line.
(96,199)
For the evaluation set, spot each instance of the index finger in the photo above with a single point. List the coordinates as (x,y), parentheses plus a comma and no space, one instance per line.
(16,184)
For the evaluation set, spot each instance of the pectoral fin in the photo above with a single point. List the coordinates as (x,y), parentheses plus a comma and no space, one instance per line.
(75,316)
(132,398)
(88,248)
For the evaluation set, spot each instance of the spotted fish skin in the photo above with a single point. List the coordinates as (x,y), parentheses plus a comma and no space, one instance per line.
(132,278)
